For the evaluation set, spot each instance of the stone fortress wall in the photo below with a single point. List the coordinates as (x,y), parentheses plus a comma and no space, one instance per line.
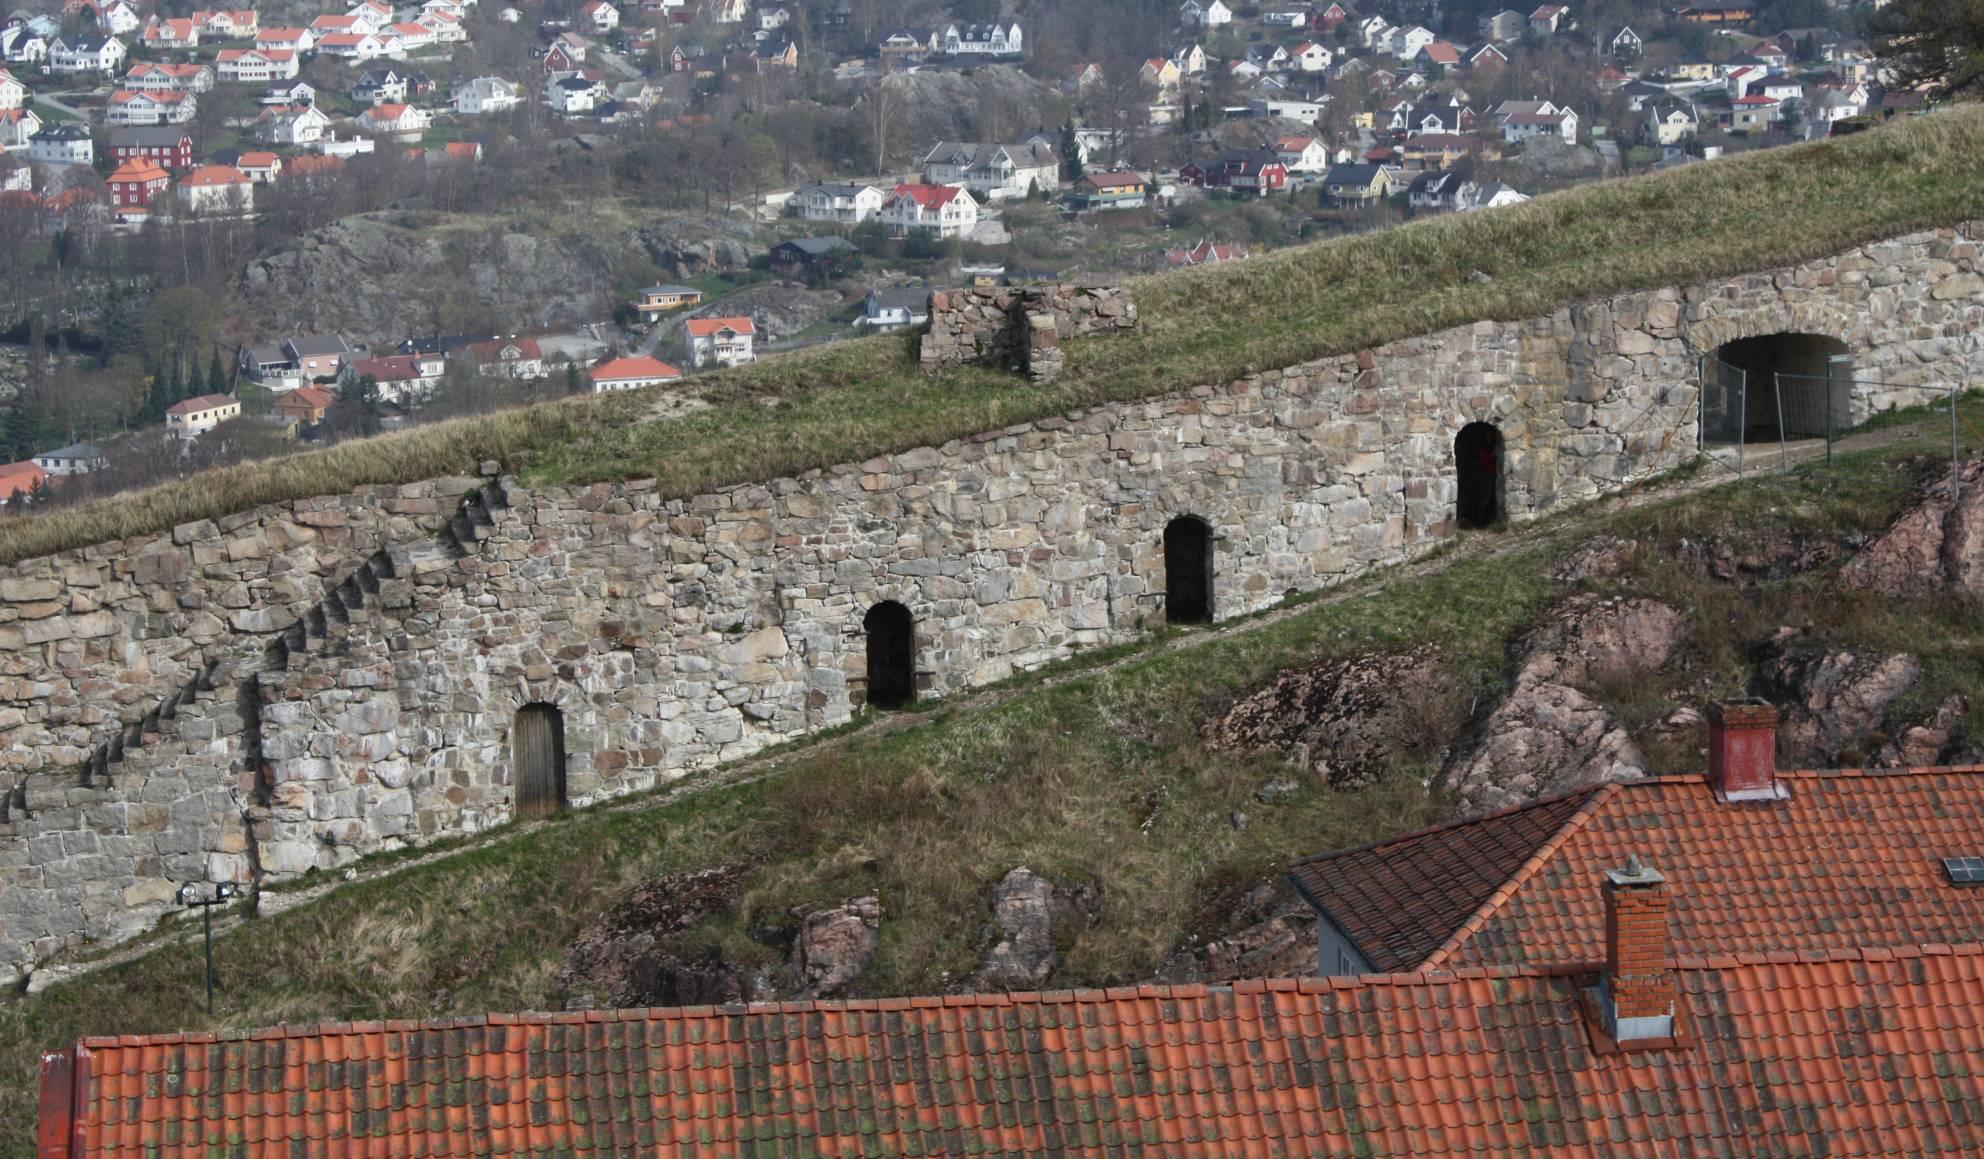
(308,683)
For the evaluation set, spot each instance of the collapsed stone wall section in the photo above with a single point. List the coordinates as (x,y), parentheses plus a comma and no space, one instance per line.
(1019,328)
(673,634)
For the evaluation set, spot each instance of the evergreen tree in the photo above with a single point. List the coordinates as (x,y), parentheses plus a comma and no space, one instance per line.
(1185,115)
(1932,42)
(1071,154)
(157,395)
(575,382)
(175,384)
(216,375)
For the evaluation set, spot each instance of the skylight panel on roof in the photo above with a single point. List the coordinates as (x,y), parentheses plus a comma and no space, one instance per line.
(1964,870)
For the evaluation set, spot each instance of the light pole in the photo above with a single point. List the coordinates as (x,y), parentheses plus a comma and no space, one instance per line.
(191,895)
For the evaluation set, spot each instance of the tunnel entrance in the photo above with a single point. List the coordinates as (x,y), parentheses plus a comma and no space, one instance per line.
(1478,475)
(1188,571)
(1776,385)
(891,655)
(537,752)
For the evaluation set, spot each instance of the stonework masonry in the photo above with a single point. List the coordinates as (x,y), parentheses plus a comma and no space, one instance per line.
(1019,328)
(303,685)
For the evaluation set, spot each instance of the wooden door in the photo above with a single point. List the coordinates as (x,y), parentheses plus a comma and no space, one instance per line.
(537,747)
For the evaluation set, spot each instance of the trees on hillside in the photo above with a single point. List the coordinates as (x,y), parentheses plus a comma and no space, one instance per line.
(1933,42)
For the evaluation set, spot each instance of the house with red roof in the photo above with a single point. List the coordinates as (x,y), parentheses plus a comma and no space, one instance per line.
(261,166)
(18,481)
(228,23)
(133,185)
(257,65)
(401,121)
(306,404)
(938,210)
(153,76)
(177,32)
(217,190)
(200,414)
(298,40)
(510,357)
(631,373)
(399,377)
(721,341)
(130,107)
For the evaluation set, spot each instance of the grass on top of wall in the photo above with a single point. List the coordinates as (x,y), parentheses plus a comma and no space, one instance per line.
(850,401)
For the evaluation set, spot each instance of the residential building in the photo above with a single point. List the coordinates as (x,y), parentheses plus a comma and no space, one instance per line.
(1353,186)
(166,35)
(575,94)
(220,190)
(351,45)
(1719,13)
(133,185)
(17,128)
(1669,121)
(908,44)
(1160,75)
(1406,43)
(940,210)
(658,300)
(85,52)
(1436,192)
(1191,60)
(1207,14)
(1111,191)
(152,76)
(74,459)
(895,309)
(228,23)
(805,253)
(196,416)
(401,122)
(119,18)
(1621,41)
(19,45)
(984,39)
(841,202)
(307,405)
(1504,26)
(1308,56)
(1560,123)
(261,167)
(170,148)
(994,172)
(1485,56)
(721,341)
(511,357)
(13,94)
(382,86)
(1753,114)
(1254,172)
(633,373)
(600,17)
(400,378)
(1302,154)
(1548,19)
(63,143)
(19,482)
(257,65)
(316,356)
(486,94)
(126,107)
(1491,195)
(296,40)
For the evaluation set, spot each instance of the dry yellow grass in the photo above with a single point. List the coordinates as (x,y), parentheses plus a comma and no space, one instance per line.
(853,400)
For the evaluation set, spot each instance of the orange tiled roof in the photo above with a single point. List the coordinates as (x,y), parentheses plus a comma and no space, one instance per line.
(639,367)
(1851,858)
(16,478)
(1848,1052)
(705,327)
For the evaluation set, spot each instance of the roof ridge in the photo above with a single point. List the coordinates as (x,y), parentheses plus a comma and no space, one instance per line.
(1535,862)
(1445,826)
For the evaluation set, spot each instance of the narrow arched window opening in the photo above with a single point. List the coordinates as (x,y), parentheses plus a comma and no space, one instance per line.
(1478,493)
(891,655)
(537,748)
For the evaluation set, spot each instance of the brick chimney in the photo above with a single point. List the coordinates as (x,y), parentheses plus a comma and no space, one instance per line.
(1639,991)
(1742,750)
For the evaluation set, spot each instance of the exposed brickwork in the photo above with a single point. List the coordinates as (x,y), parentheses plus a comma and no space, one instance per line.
(1638,961)
(1742,748)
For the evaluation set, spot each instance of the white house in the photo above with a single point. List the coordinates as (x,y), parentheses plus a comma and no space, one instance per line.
(217,189)
(721,341)
(197,416)
(1191,60)
(13,94)
(994,172)
(1302,154)
(1406,43)
(67,143)
(894,309)
(632,374)
(352,45)
(119,18)
(600,16)
(939,210)
(1669,122)
(297,40)
(1205,13)
(1490,195)
(573,95)
(292,125)
(256,66)
(404,122)
(88,52)
(984,40)
(1309,57)
(846,203)
(127,107)
(21,46)
(17,128)
(1560,123)
(485,94)
(78,459)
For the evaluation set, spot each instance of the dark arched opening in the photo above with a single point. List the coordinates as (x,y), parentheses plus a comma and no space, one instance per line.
(537,753)
(1789,385)
(1188,571)
(1478,473)
(891,655)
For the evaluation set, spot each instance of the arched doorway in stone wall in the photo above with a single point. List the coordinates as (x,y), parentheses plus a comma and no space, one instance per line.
(537,760)
(891,631)
(1790,385)
(1479,492)
(1188,571)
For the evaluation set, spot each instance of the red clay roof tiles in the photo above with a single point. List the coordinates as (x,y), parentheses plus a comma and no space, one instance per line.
(1841,1053)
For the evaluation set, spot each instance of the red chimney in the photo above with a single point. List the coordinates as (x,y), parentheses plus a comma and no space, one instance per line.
(1639,990)
(1742,750)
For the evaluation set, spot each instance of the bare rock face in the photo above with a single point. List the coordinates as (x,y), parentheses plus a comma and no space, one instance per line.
(1587,639)
(835,945)
(1760,556)
(1031,916)
(1931,742)
(1601,557)
(1545,738)
(1272,935)
(1350,718)
(624,959)
(685,248)
(1934,545)
(1833,703)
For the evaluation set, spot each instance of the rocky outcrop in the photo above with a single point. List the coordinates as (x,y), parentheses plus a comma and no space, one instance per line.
(1348,719)
(627,956)
(1269,934)
(835,945)
(1549,734)
(1759,556)
(1601,557)
(779,309)
(1935,545)
(1032,918)
(1834,702)
(693,248)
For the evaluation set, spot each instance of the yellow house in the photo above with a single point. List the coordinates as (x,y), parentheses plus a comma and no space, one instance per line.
(657,300)
(196,416)
(1692,70)
(1365,120)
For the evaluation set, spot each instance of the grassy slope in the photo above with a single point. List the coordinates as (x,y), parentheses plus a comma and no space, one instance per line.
(849,401)
(1061,778)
